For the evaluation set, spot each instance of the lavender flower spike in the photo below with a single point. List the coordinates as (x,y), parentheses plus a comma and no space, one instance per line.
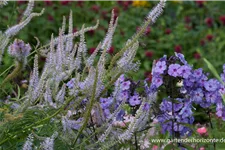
(157,11)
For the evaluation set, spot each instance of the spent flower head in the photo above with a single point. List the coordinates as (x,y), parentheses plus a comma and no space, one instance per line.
(19,50)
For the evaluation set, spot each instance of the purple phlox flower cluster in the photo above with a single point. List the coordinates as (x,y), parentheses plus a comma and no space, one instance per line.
(211,85)
(220,111)
(197,95)
(120,80)
(105,103)
(160,67)
(19,50)
(122,93)
(181,58)
(195,87)
(134,100)
(203,91)
(125,85)
(198,73)
(211,97)
(173,70)
(173,115)
(122,89)
(184,71)
(157,81)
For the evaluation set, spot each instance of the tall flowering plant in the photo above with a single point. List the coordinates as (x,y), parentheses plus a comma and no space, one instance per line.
(77,100)
(86,101)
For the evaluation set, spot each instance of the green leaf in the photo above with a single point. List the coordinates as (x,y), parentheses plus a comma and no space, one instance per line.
(212,69)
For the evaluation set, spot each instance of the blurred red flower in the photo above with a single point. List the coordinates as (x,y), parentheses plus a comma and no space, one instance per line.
(91,50)
(48,3)
(202,42)
(200,3)
(21,2)
(111,50)
(178,48)
(197,55)
(95,8)
(64,2)
(75,30)
(167,31)
(91,32)
(50,17)
(209,37)
(149,54)
(122,32)
(222,19)
(209,22)
(80,3)
(148,76)
(104,14)
(120,2)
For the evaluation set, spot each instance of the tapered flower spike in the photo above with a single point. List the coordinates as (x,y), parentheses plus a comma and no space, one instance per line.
(80,50)
(76,34)
(156,11)
(48,143)
(61,95)
(29,143)
(69,43)
(72,62)
(63,25)
(15,29)
(107,42)
(34,79)
(126,61)
(59,52)
(29,9)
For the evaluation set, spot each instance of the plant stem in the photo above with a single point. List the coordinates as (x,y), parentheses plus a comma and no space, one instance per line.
(135,137)
(15,73)
(89,108)
(211,125)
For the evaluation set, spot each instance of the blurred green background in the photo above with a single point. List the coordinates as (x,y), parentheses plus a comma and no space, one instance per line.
(194,28)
